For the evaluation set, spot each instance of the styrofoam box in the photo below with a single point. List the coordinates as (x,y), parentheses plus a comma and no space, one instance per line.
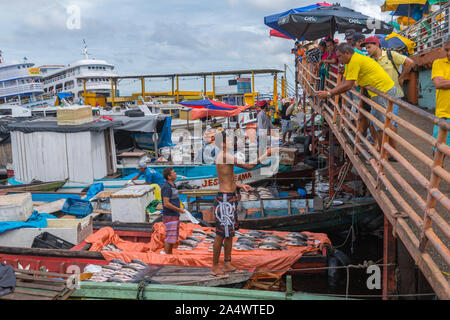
(71,230)
(129,204)
(74,115)
(16,207)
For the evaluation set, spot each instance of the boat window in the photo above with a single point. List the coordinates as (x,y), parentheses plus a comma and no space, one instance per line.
(5,112)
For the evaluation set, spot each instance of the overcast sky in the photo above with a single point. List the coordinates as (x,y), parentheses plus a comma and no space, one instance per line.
(155,37)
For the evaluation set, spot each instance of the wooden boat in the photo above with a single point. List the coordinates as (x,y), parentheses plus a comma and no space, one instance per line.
(36,186)
(299,215)
(204,177)
(105,290)
(66,261)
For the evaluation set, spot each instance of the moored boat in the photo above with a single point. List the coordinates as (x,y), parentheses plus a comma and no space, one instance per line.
(35,186)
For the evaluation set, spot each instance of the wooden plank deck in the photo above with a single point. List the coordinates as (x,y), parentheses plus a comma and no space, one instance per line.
(38,285)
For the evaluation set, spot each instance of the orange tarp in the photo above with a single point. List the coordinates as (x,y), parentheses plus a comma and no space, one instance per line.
(199,257)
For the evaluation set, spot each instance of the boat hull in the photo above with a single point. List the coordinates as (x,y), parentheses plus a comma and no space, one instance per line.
(44,186)
(365,213)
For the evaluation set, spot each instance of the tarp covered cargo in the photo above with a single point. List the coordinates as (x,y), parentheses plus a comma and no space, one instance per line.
(147,124)
(200,256)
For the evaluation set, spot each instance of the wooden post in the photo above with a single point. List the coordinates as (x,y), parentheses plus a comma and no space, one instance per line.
(331,168)
(389,257)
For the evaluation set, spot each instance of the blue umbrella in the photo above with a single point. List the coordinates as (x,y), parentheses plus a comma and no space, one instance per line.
(272,20)
(415,11)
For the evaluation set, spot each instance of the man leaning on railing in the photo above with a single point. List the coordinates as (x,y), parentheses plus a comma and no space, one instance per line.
(440,74)
(366,72)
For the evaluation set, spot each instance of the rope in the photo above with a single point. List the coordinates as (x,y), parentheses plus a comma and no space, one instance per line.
(141,289)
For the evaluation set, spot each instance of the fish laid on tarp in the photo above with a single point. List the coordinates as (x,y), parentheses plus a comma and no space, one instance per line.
(190,243)
(270,246)
(298,243)
(200,231)
(272,239)
(182,247)
(272,236)
(241,247)
(298,235)
(194,239)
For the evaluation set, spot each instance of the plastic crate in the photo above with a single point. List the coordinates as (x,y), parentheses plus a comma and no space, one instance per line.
(77,207)
(48,241)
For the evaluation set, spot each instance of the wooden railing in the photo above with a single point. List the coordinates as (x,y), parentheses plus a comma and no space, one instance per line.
(416,204)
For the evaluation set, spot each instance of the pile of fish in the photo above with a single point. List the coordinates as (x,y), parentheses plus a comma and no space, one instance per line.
(255,194)
(110,247)
(251,240)
(120,271)
(254,239)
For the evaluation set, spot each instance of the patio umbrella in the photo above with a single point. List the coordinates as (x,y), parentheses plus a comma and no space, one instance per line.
(272,20)
(207,107)
(275,33)
(407,11)
(325,21)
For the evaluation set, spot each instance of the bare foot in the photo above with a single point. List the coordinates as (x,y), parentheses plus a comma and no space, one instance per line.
(217,272)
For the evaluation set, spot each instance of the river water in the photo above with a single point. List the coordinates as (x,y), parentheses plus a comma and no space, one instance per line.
(364,248)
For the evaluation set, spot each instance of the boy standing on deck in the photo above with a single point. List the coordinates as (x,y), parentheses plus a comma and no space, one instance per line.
(226,201)
(440,75)
(171,210)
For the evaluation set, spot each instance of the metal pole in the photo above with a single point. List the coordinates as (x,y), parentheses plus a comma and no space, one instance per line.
(178,91)
(214,86)
(143,88)
(112,92)
(204,86)
(173,93)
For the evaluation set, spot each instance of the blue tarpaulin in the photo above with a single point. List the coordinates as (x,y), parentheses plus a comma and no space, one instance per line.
(63,95)
(94,189)
(36,220)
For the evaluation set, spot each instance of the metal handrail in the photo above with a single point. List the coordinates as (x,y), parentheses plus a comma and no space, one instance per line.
(350,135)
(431,38)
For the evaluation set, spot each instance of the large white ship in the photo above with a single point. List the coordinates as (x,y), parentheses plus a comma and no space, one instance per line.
(69,79)
(20,85)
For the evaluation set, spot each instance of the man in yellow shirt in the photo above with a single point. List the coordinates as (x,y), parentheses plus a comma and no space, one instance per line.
(366,72)
(440,74)
(391,65)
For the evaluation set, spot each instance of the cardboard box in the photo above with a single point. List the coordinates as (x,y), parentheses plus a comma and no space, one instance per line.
(16,207)
(74,115)
(287,156)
